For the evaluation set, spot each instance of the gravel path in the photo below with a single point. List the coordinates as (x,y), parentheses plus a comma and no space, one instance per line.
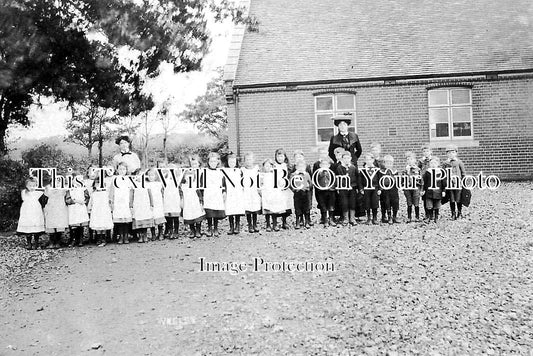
(456,287)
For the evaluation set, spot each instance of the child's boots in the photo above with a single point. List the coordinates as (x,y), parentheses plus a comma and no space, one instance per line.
(323,217)
(395,217)
(215,228)
(29,245)
(231,226)
(275,226)
(284,225)
(237,225)
(352,217)
(254,222)
(368,218)
(250,226)
(307,222)
(198,230)
(374,216)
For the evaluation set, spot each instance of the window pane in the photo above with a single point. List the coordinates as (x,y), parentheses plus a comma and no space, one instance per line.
(460,96)
(461,114)
(345,102)
(442,130)
(324,135)
(324,103)
(438,115)
(438,97)
(462,129)
(324,120)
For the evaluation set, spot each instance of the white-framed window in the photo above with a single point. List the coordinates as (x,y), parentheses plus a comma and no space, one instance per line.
(450,113)
(329,105)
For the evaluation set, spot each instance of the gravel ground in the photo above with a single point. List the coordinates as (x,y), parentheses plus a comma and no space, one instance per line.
(456,287)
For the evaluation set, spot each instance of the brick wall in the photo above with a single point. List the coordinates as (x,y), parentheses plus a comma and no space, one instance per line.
(502,123)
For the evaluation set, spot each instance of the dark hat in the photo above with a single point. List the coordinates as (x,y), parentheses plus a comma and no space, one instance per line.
(338,119)
(123,138)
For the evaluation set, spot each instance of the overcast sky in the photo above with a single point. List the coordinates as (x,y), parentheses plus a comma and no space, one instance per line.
(185,87)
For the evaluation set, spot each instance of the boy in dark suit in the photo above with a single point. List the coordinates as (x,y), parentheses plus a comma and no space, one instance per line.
(433,196)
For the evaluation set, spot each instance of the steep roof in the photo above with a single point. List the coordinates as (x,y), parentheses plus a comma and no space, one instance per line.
(309,40)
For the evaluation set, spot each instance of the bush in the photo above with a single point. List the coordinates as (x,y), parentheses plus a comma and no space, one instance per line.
(12,177)
(180,154)
(46,155)
(14,173)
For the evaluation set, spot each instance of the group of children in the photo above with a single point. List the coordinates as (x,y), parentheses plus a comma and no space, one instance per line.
(120,212)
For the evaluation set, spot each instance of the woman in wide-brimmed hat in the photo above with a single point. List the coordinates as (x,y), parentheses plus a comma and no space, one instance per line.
(345,139)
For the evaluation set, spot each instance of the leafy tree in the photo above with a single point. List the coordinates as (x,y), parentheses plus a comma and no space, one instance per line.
(50,48)
(209,111)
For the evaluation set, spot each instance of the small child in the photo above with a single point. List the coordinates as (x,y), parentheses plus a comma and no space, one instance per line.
(457,169)
(412,196)
(101,218)
(434,196)
(193,212)
(326,197)
(234,195)
(337,212)
(272,197)
(88,182)
(375,149)
(299,156)
(77,199)
(301,185)
(158,210)
(423,164)
(119,197)
(172,202)
(370,189)
(252,199)
(55,214)
(31,219)
(322,154)
(214,192)
(281,163)
(347,196)
(390,197)
(141,205)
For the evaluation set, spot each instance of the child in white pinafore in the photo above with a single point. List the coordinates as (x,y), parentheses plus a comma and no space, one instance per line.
(88,182)
(31,219)
(158,210)
(193,212)
(101,219)
(234,195)
(119,197)
(141,204)
(77,199)
(172,202)
(214,191)
(272,197)
(252,199)
(55,214)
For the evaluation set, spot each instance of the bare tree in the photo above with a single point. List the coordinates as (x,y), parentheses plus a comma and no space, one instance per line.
(169,121)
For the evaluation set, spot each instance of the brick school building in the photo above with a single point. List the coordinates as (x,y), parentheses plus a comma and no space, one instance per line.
(406,72)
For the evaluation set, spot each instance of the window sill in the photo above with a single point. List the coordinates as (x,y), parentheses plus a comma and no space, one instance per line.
(459,143)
